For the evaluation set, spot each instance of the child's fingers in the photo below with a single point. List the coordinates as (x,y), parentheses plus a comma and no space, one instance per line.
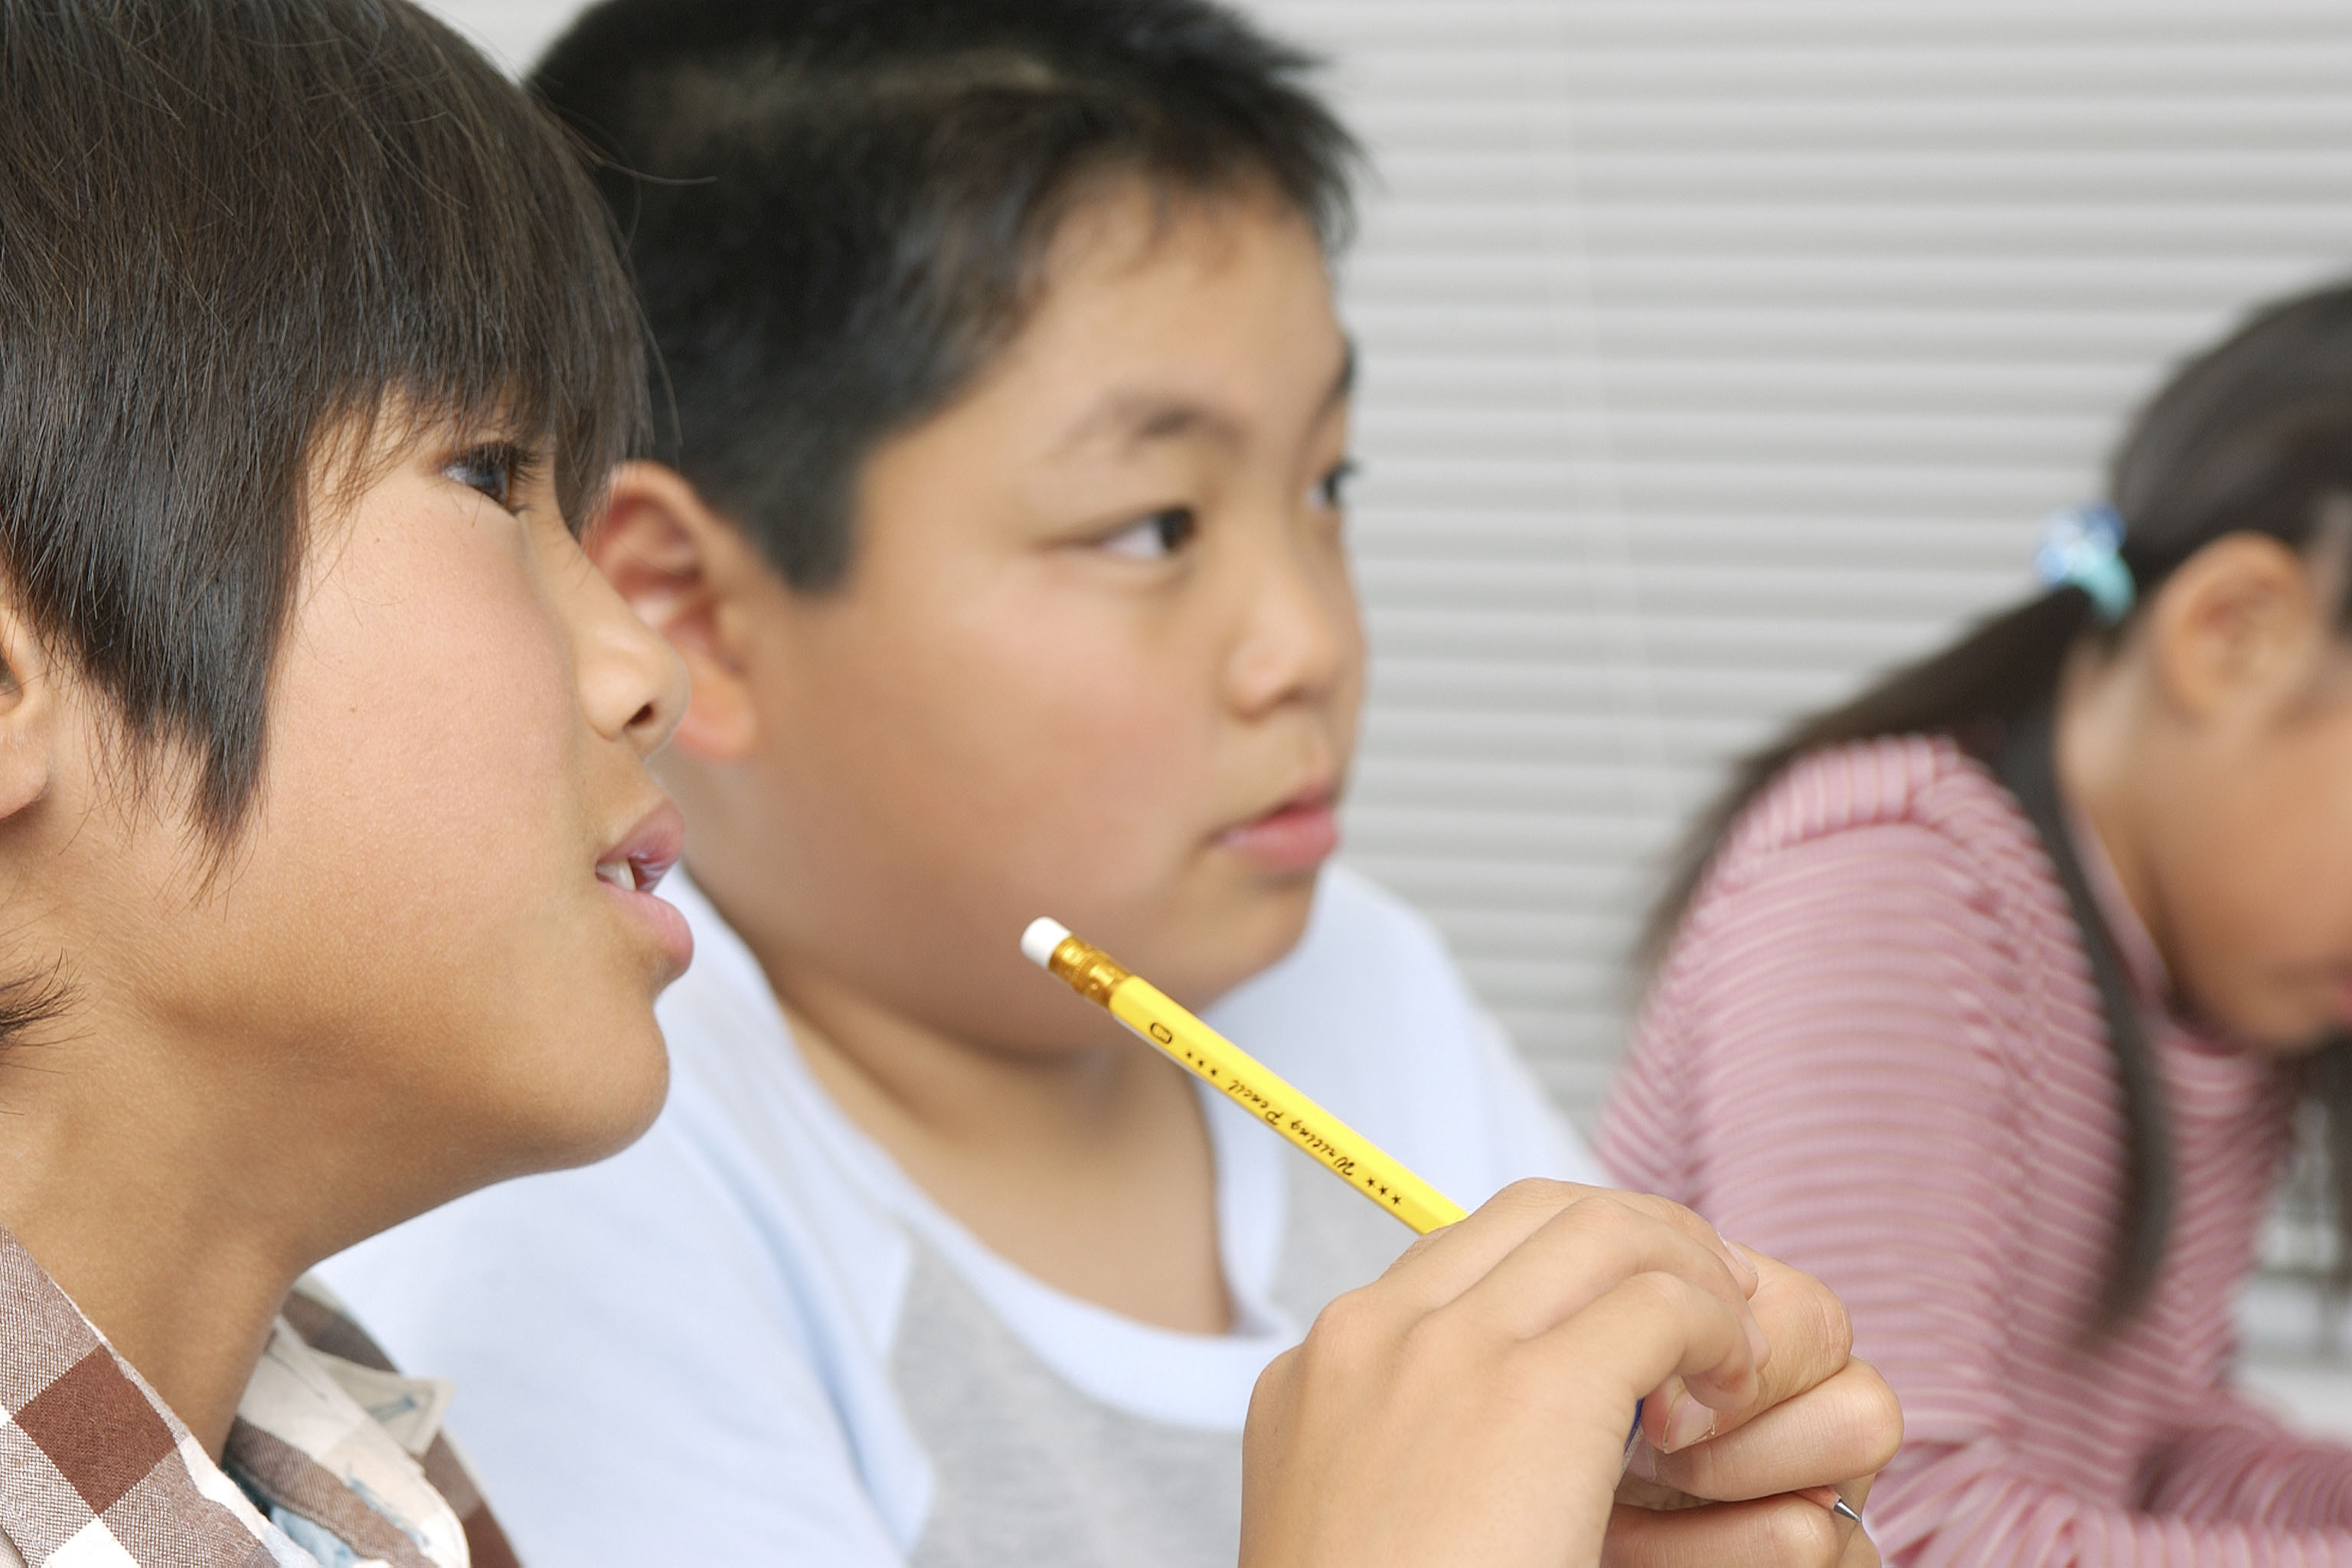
(1800,1313)
(1643,1329)
(1738,1259)
(1585,1250)
(1442,1266)
(1446,1438)
(1779,1531)
(1811,1338)
(1847,1426)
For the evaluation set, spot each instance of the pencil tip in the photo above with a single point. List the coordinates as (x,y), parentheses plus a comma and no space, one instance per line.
(1844,1510)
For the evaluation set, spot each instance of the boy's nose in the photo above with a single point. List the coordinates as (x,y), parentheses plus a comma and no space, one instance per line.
(657,718)
(633,684)
(1303,637)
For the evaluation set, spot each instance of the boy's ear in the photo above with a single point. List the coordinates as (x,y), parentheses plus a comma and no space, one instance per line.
(2237,626)
(28,715)
(680,566)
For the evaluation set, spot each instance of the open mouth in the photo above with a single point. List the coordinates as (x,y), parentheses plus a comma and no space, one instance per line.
(639,862)
(632,875)
(636,867)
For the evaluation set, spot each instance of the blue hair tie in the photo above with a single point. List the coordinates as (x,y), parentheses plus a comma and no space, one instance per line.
(2080,549)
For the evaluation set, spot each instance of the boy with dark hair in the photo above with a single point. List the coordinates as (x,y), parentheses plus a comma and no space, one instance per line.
(998,517)
(314,342)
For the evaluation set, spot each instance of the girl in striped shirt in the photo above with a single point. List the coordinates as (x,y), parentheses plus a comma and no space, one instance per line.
(1988,996)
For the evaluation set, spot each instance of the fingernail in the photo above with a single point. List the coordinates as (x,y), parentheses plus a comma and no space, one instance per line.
(1688,1422)
(1740,1256)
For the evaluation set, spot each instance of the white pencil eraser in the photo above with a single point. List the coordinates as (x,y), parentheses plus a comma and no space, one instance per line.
(1041,938)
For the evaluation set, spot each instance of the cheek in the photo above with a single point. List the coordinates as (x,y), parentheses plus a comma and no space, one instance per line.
(2261,889)
(2289,847)
(1112,775)
(1027,741)
(446,759)
(415,804)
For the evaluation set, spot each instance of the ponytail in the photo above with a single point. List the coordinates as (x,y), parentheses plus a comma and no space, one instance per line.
(2027,763)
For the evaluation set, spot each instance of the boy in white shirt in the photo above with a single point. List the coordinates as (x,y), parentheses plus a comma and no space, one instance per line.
(998,520)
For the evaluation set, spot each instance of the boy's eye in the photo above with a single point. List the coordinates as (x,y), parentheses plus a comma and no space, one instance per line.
(1331,489)
(1157,537)
(493,470)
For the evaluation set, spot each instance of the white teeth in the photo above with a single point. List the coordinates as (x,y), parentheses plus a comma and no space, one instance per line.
(620,873)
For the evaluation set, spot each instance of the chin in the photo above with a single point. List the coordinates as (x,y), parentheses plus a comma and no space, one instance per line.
(1289,906)
(1262,932)
(606,1112)
(2281,1026)
(2308,1038)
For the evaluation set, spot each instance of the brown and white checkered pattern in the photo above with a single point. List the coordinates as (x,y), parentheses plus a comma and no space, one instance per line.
(97,1472)
(94,1469)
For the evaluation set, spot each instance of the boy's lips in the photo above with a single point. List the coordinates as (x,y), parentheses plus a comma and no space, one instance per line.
(631,868)
(1295,836)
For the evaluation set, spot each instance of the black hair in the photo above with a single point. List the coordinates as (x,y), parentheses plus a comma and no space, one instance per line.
(2253,436)
(234,237)
(837,209)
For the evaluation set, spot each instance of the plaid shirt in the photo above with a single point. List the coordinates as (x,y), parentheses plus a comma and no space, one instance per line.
(338,1462)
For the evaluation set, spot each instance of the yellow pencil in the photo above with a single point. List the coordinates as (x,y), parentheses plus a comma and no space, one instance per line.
(1226,1068)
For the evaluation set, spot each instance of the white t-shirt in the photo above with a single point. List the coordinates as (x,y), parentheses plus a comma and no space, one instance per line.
(751,1339)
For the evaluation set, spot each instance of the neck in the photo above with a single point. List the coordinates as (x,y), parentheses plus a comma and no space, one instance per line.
(889,1068)
(120,1184)
(1088,1168)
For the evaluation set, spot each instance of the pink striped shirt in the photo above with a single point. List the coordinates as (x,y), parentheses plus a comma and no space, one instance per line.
(1875,1051)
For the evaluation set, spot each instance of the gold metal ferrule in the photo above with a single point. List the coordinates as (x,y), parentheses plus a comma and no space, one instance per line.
(1087,970)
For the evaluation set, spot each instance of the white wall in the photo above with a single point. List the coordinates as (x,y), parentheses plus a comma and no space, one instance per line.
(514,31)
(1718,351)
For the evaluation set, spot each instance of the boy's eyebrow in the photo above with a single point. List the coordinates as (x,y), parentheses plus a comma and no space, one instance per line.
(1135,416)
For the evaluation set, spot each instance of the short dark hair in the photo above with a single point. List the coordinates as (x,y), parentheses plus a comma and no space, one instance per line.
(837,209)
(232,234)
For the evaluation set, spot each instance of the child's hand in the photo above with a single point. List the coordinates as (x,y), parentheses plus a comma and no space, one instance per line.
(1471,1407)
(1818,1417)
